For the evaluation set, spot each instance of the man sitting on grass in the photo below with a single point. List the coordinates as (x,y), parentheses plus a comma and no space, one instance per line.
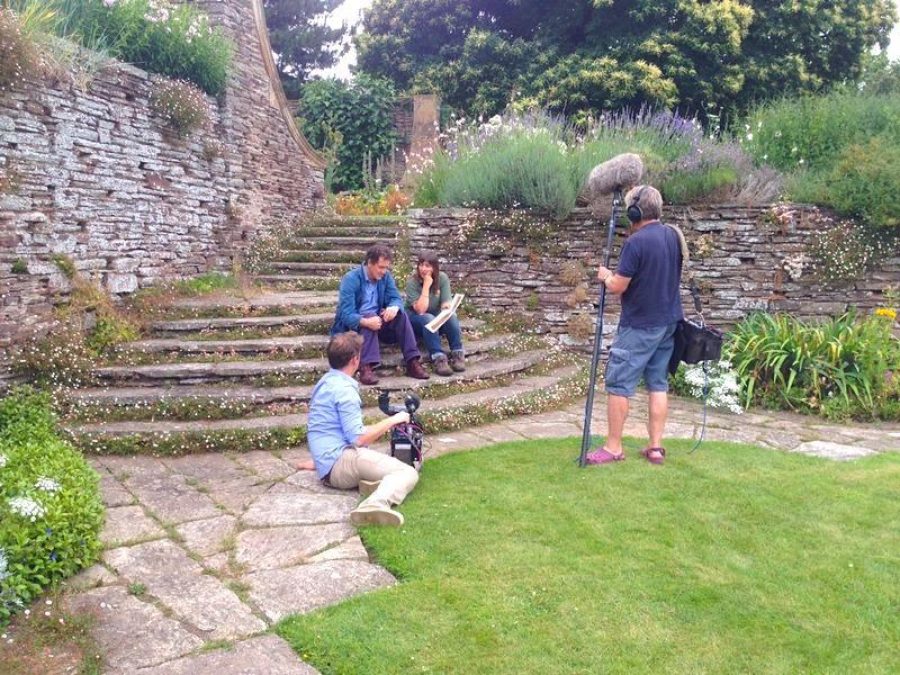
(337,439)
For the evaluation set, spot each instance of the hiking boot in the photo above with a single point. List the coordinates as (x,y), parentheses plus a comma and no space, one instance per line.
(415,370)
(367,487)
(458,361)
(440,366)
(367,374)
(374,514)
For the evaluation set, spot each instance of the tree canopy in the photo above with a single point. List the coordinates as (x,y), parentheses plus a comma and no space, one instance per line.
(586,55)
(301,39)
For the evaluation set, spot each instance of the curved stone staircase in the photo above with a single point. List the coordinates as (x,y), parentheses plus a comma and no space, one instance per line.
(234,371)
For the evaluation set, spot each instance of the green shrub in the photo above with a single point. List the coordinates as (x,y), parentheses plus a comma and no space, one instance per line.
(842,150)
(159,36)
(50,508)
(351,122)
(865,181)
(844,367)
(180,104)
(17,54)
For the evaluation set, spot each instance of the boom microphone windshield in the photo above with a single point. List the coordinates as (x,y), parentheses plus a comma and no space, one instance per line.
(617,174)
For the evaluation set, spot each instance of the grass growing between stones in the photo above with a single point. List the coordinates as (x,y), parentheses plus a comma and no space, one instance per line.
(732,559)
(50,641)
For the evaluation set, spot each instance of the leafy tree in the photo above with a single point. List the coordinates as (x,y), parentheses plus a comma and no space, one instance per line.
(301,40)
(351,122)
(586,55)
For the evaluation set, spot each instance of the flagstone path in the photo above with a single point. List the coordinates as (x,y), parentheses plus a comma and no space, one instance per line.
(205,553)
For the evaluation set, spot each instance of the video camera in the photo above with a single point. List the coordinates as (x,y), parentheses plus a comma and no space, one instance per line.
(406,439)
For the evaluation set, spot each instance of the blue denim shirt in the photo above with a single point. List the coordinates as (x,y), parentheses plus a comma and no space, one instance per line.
(334,420)
(351,298)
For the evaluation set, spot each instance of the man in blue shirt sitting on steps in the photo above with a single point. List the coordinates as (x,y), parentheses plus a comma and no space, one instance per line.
(370,304)
(337,439)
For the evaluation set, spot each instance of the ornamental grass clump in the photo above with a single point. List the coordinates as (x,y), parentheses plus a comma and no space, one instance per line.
(50,507)
(181,105)
(846,367)
(18,58)
(540,162)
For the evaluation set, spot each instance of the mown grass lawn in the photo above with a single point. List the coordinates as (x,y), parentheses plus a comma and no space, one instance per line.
(732,559)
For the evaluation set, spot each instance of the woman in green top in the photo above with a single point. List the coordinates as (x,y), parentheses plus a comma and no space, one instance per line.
(427,293)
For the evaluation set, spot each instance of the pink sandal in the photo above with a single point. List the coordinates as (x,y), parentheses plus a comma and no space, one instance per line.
(647,454)
(603,456)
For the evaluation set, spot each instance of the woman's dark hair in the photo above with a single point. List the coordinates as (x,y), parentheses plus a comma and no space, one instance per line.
(431,258)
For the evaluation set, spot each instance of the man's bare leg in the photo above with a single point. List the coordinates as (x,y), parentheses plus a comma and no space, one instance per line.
(616,414)
(658,411)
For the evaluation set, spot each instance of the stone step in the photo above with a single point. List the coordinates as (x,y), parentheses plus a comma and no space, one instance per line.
(223,371)
(263,301)
(303,281)
(355,241)
(380,231)
(146,396)
(299,343)
(326,268)
(250,322)
(262,322)
(360,222)
(349,256)
(487,396)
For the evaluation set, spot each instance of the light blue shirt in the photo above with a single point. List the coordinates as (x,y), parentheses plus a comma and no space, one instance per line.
(369,305)
(334,420)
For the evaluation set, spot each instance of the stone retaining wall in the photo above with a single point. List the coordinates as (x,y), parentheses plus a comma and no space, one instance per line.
(93,177)
(739,256)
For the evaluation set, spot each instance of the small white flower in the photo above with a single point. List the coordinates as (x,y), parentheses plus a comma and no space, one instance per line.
(47,484)
(3,460)
(27,508)
(4,566)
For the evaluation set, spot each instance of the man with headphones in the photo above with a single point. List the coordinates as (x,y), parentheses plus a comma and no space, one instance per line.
(647,279)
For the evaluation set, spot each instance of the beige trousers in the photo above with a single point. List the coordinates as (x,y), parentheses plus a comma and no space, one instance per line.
(356,464)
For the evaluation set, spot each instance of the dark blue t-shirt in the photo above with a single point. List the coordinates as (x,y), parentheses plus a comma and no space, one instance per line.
(651,258)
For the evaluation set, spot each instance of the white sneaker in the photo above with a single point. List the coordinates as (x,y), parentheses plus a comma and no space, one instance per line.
(375,515)
(367,487)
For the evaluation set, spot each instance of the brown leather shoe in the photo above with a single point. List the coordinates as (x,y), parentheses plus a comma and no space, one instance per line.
(367,374)
(415,370)
(440,366)
(458,361)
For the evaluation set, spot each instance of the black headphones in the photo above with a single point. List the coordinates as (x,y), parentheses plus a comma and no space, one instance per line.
(634,213)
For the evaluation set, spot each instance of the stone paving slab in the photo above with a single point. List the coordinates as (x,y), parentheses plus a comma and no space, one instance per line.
(132,633)
(304,588)
(173,501)
(206,468)
(197,325)
(178,582)
(92,577)
(235,497)
(272,510)
(237,346)
(352,549)
(263,655)
(128,524)
(112,491)
(272,548)
(264,464)
(207,537)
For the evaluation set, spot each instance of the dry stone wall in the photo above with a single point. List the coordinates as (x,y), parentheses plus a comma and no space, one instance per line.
(548,275)
(93,177)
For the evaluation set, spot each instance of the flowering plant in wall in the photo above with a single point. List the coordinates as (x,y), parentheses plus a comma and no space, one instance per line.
(50,508)
(17,54)
(181,104)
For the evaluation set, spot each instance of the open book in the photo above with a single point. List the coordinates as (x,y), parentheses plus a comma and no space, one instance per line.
(445,314)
